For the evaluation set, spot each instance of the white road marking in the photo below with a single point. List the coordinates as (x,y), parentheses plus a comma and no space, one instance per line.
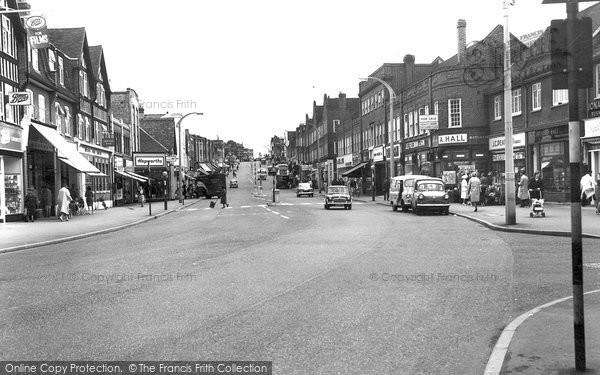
(275,212)
(285,217)
(192,209)
(245,206)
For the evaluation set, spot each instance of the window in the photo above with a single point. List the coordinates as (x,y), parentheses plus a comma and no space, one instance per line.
(88,130)
(411,126)
(497,107)
(51,60)
(516,102)
(67,121)
(336,124)
(406,125)
(57,119)
(8,42)
(560,97)
(83,83)
(454,113)
(436,108)
(100,94)
(80,130)
(61,71)
(426,110)
(417,123)
(35,62)
(597,80)
(536,96)
(41,108)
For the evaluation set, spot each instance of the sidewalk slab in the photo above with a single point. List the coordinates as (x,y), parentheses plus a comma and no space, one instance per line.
(46,231)
(544,343)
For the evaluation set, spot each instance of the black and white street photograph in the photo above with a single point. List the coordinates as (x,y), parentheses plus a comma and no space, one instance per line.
(299,187)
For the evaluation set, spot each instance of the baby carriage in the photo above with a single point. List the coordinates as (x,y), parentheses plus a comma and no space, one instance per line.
(537,203)
(77,207)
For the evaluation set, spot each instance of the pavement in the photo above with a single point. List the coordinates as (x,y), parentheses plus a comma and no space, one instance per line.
(539,341)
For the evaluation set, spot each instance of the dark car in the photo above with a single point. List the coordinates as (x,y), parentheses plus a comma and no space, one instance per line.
(429,194)
(338,196)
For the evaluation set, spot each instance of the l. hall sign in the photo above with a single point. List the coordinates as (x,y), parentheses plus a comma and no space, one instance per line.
(452,138)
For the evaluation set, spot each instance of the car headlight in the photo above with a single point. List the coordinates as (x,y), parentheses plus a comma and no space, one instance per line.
(421,196)
(446,196)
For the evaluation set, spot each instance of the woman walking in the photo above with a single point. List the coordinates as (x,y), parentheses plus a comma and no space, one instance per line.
(89,200)
(464,189)
(31,203)
(64,198)
(474,190)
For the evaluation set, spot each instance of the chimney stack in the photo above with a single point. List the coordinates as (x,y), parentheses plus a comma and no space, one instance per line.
(342,99)
(461,28)
(409,69)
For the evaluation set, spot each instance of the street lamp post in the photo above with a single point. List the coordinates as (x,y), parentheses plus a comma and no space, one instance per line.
(392,134)
(165,175)
(179,148)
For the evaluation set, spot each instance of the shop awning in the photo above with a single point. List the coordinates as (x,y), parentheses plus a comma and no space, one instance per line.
(205,167)
(100,174)
(123,174)
(138,177)
(354,171)
(66,151)
(202,171)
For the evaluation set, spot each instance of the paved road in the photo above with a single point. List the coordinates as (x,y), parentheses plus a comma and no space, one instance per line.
(367,291)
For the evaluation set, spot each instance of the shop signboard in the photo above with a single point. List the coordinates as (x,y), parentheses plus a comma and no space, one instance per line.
(37,32)
(594,108)
(10,138)
(452,138)
(147,159)
(498,143)
(19,98)
(378,153)
(344,161)
(428,122)
(415,144)
(592,127)
(108,142)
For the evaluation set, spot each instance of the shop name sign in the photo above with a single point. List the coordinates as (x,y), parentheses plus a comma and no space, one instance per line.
(152,160)
(415,144)
(594,108)
(428,122)
(344,161)
(592,127)
(452,138)
(498,143)
(19,98)
(378,153)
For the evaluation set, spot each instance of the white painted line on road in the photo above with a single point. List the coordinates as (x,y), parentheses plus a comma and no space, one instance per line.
(304,203)
(496,360)
(287,204)
(285,217)
(275,212)
(192,209)
(240,206)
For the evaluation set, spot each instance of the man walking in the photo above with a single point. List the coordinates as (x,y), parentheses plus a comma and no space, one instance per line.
(386,189)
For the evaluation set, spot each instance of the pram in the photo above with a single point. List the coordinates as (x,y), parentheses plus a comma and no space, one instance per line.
(537,204)
(77,207)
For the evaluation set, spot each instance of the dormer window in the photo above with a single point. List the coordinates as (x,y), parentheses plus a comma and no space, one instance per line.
(51,60)
(83,83)
(61,71)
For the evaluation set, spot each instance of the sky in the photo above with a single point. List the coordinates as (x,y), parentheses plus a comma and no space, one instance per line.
(254,68)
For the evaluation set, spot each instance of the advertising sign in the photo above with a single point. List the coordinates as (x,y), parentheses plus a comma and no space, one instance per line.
(592,127)
(428,122)
(378,153)
(37,32)
(452,138)
(19,98)
(10,138)
(108,142)
(144,159)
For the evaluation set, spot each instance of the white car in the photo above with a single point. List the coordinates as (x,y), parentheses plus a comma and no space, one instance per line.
(304,188)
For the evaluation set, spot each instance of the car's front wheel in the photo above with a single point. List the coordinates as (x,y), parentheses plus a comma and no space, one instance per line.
(404,207)
(326,206)
(350,207)
(394,207)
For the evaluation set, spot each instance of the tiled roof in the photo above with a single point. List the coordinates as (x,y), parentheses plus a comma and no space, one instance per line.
(68,40)
(96,57)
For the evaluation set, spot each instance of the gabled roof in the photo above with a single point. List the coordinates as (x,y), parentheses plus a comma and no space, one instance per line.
(99,64)
(68,40)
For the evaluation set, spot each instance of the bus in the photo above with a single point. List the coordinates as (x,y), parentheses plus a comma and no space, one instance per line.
(282,176)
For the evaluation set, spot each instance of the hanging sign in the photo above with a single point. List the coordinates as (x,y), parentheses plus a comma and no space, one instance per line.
(37,32)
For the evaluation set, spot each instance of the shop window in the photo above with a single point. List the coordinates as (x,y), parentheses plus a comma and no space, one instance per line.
(554,164)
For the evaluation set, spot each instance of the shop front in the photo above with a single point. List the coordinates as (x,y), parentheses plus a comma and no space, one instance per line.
(343,163)
(461,153)
(11,173)
(591,146)
(416,159)
(99,182)
(398,162)
(550,156)
(497,146)
(378,170)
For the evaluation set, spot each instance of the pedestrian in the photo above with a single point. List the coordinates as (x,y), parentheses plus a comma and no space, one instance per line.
(46,200)
(141,196)
(89,199)
(536,186)
(587,188)
(474,190)
(63,200)
(464,189)
(224,198)
(386,189)
(353,187)
(31,203)
(523,191)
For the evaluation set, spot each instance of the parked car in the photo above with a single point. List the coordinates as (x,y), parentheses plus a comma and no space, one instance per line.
(262,174)
(429,194)
(401,189)
(233,183)
(338,196)
(304,188)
